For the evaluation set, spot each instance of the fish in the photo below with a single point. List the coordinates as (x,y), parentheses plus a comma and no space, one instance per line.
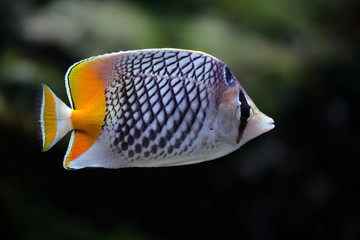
(149,108)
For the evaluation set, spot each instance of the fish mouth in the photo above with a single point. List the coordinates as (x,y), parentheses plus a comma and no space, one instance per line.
(268,123)
(258,125)
(264,122)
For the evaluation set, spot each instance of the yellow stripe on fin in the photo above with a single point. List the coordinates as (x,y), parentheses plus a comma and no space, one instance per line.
(55,119)
(48,126)
(86,90)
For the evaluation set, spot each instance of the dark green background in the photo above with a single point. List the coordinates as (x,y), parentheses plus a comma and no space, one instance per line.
(299,60)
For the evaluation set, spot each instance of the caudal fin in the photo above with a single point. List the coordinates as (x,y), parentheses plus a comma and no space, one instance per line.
(55,119)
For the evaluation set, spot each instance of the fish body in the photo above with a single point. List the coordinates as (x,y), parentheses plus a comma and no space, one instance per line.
(150,108)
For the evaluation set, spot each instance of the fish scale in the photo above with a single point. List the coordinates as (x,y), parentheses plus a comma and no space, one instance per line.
(152,114)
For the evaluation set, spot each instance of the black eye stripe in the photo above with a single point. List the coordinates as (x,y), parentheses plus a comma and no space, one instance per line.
(245,107)
(245,114)
(242,97)
(241,129)
(229,77)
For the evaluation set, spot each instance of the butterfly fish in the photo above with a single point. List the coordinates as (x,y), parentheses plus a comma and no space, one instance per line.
(150,108)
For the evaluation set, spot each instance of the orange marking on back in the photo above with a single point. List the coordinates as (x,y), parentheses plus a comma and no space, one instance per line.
(49,118)
(88,95)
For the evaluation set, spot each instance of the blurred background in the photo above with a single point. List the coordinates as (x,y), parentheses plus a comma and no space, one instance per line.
(298,60)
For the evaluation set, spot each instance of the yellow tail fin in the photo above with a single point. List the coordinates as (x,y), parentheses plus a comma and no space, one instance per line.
(55,119)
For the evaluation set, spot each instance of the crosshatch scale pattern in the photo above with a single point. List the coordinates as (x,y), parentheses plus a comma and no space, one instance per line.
(158,105)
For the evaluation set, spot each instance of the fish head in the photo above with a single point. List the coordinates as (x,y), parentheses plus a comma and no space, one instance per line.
(238,120)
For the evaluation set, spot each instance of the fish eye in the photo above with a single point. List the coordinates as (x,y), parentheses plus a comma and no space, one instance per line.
(244,113)
(228,76)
